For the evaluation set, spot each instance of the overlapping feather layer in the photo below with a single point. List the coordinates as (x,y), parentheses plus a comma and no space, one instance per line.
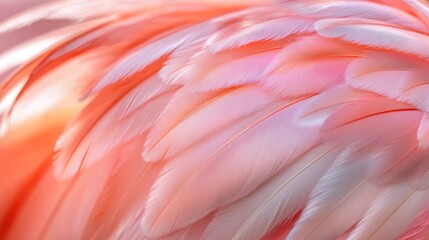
(286,120)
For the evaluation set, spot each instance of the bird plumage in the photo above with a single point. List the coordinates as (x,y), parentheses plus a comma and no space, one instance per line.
(217,120)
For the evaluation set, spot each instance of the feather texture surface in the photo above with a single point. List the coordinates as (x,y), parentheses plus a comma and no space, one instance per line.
(185,119)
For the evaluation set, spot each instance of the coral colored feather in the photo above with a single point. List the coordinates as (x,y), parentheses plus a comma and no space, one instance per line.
(186,119)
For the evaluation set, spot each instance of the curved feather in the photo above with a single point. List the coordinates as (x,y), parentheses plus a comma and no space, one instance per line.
(375,34)
(360,9)
(185,179)
(272,29)
(391,213)
(256,215)
(241,104)
(344,186)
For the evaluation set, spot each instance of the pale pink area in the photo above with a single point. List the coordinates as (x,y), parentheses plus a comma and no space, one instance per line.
(8,9)
(182,119)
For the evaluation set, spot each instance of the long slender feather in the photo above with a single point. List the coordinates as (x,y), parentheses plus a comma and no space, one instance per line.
(256,215)
(391,213)
(185,179)
(375,34)
(339,199)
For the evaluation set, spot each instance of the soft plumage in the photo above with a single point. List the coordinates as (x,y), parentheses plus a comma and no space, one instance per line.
(173,119)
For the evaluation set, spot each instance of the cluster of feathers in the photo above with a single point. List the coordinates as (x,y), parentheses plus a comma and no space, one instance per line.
(295,119)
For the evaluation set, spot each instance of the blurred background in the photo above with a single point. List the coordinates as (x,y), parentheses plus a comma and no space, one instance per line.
(12,39)
(9,8)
